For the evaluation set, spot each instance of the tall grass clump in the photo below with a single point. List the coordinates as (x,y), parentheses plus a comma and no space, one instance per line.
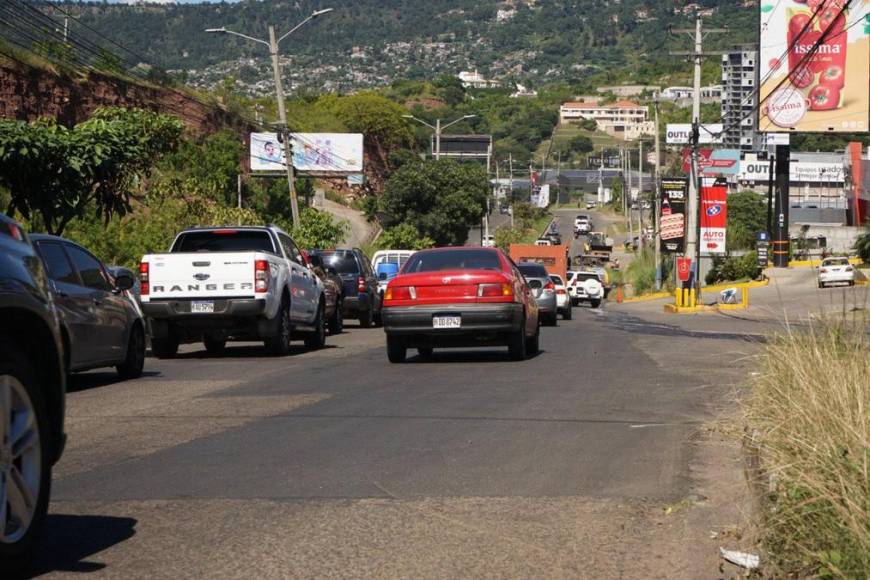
(808,413)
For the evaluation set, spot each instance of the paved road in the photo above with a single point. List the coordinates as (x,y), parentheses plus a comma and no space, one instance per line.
(337,463)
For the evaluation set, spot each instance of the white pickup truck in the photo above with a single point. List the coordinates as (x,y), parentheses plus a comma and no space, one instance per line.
(231,283)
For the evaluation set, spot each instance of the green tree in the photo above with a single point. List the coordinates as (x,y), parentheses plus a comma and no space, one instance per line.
(373,115)
(317,229)
(862,245)
(55,173)
(506,235)
(581,144)
(441,199)
(404,237)
(747,215)
(214,163)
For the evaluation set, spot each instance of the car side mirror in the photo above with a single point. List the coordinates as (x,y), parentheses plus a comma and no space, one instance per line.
(123,279)
(382,276)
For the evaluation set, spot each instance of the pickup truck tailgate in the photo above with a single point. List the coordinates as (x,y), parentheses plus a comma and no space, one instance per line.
(202,275)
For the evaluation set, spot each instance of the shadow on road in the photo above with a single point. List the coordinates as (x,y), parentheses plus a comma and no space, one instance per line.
(466,356)
(94,380)
(69,540)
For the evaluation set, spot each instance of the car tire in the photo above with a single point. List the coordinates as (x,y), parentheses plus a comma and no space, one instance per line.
(595,303)
(551,319)
(377,317)
(166,347)
(396,350)
(568,313)
(821,285)
(214,345)
(20,377)
(517,344)
(366,319)
(134,362)
(279,345)
(533,344)
(317,339)
(336,321)
(425,352)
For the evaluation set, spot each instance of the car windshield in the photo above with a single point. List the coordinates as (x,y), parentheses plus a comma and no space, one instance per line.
(452,260)
(836,262)
(224,241)
(533,270)
(342,261)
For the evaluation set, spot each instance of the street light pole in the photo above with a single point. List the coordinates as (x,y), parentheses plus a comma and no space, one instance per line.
(279,96)
(438,128)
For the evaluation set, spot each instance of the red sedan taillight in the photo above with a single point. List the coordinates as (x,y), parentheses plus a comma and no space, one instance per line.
(400,293)
(495,291)
(560,291)
(144,284)
(261,276)
(549,286)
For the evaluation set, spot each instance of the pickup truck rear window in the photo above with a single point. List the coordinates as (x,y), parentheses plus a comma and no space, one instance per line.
(224,241)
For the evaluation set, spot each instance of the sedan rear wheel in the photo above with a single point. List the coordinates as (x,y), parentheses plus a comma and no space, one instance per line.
(317,339)
(517,344)
(396,350)
(336,321)
(134,362)
(568,313)
(25,470)
(533,344)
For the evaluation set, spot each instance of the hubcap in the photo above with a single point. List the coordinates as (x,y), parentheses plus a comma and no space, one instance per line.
(20,460)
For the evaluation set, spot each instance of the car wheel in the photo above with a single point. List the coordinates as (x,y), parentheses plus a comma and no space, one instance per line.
(377,317)
(317,339)
(551,319)
(214,345)
(279,345)
(425,352)
(134,362)
(595,303)
(336,321)
(821,285)
(366,319)
(396,350)
(164,347)
(517,344)
(25,484)
(568,313)
(533,344)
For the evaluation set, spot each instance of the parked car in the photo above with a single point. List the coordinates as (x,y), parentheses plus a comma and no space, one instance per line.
(232,283)
(590,205)
(460,297)
(359,284)
(586,286)
(563,301)
(386,264)
(332,292)
(101,322)
(488,241)
(543,242)
(554,237)
(33,391)
(836,271)
(543,290)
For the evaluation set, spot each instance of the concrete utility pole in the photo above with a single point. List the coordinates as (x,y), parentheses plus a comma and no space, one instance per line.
(438,128)
(640,193)
(697,55)
(628,199)
(273,43)
(511,185)
(658,201)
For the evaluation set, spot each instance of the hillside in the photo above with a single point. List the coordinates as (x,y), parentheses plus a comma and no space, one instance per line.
(371,42)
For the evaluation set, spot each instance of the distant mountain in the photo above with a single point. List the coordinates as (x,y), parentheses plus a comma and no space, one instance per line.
(371,42)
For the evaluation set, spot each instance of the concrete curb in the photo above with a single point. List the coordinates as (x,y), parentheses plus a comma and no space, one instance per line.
(714,288)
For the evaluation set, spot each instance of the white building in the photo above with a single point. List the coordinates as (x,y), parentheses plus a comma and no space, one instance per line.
(522,91)
(475,80)
(624,119)
(739,101)
(709,94)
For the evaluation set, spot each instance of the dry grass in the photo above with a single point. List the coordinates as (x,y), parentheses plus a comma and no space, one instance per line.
(809,415)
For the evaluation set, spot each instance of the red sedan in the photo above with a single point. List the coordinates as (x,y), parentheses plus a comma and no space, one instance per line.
(459,297)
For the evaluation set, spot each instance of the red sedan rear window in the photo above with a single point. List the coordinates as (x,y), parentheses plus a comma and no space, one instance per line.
(471,259)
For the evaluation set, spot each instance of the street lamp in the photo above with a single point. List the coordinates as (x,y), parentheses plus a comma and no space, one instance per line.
(272,44)
(438,128)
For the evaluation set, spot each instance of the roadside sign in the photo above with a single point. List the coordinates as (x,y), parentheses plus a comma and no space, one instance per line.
(673,216)
(714,215)
(684,269)
(762,250)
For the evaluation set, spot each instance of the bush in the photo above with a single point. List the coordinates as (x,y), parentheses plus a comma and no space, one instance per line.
(862,245)
(641,272)
(506,235)
(404,237)
(808,412)
(734,268)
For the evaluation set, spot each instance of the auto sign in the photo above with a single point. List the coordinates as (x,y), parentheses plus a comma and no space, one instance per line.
(714,217)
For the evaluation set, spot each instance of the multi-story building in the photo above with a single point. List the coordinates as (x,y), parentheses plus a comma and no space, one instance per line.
(476,80)
(740,100)
(624,119)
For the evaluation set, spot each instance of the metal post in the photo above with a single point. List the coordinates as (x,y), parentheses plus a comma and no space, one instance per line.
(770,182)
(780,226)
(282,118)
(658,203)
(437,139)
(239,189)
(628,197)
(693,202)
(640,193)
(511,185)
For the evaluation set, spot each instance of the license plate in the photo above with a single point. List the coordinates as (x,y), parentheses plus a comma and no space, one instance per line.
(202,307)
(446,322)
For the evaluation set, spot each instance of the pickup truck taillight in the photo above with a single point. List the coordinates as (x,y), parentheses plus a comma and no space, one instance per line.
(495,291)
(261,276)
(144,283)
(360,284)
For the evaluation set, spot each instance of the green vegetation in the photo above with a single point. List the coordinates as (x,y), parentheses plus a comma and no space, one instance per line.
(807,413)
(862,245)
(404,237)
(747,215)
(734,268)
(529,224)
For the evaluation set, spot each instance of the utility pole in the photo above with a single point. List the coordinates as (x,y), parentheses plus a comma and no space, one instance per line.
(279,95)
(640,193)
(511,184)
(628,199)
(658,201)
(780,226)
(692,204)
(65,28)
(437,139)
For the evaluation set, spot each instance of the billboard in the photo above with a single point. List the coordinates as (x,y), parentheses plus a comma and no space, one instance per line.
(313,153)
(799,172)
(712,162)
(681,134)
(672,224)
(813,66)
(714,215)
(473,146)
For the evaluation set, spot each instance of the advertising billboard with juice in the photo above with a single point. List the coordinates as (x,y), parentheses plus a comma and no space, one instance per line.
(813,66)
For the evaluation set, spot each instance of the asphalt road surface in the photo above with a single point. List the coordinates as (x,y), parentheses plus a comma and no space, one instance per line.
(339,464)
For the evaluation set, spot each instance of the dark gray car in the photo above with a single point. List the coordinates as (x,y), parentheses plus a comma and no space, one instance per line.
(101,323)
(543,290)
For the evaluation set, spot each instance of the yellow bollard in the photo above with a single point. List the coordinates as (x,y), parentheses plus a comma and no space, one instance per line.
(745,297)
(678,295)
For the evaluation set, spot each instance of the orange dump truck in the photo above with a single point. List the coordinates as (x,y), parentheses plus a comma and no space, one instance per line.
(554,258)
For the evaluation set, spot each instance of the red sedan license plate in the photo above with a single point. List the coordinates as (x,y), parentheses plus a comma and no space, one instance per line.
(446,322)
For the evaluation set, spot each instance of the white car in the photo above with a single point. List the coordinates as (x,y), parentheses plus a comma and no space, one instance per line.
(836,270)
(488,241)
(586,286)
(564,305)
